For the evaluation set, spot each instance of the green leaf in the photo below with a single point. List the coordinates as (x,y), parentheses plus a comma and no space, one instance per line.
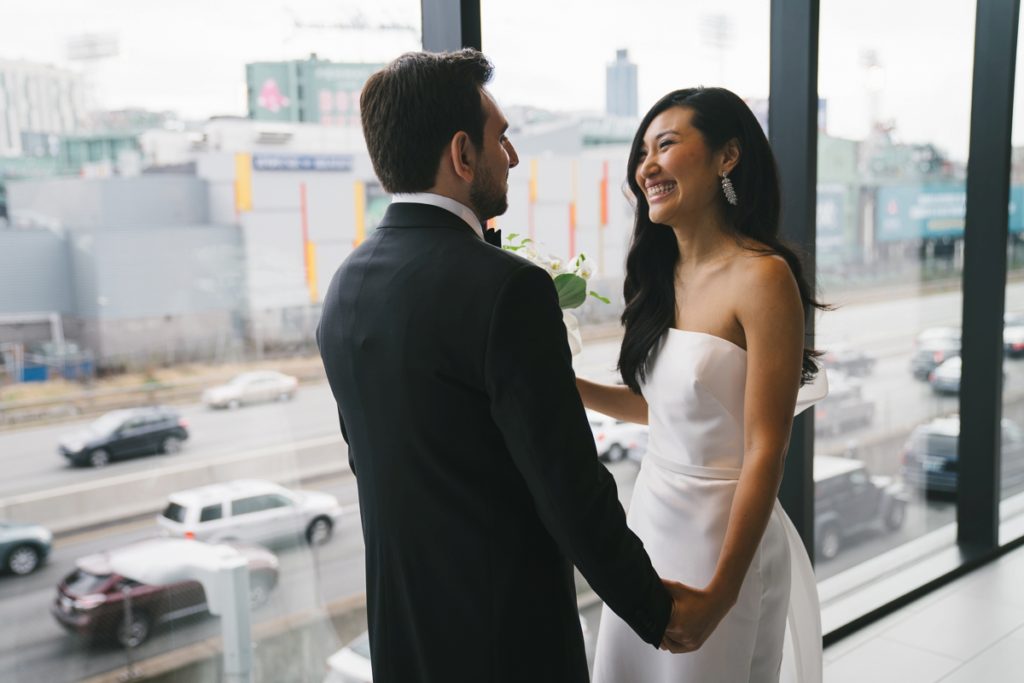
(513,236)
(572,290)
(599,297)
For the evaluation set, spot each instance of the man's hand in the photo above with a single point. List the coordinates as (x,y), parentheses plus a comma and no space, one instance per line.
(695,615)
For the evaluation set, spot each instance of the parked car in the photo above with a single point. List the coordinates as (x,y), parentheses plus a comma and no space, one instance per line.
(1013,334)
(351,664)
(929,458)
(848,500)
(848,360)
(932,347)
(844,409)
(125,434)
(250,510)
(90,600)
(23,547)
(945,378)
(252,387)
(616,439)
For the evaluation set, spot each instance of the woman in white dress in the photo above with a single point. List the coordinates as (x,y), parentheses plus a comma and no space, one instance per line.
(713,357)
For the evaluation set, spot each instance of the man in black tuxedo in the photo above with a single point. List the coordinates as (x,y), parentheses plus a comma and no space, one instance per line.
(479,484)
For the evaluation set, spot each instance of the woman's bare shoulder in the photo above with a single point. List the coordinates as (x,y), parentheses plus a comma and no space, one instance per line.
(762,269)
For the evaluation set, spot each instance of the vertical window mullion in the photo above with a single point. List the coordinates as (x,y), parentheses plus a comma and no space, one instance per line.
(450,25)
(793,131)
(984,279)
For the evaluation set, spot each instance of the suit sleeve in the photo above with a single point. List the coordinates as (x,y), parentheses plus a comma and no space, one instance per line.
(535,403)
(341,418)
(344,435)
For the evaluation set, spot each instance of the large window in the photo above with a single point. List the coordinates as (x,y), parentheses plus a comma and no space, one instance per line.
(178,183)
(573,114)
(892,153)
(1012,467)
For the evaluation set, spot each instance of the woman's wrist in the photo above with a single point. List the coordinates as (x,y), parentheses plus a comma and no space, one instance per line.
(724,591)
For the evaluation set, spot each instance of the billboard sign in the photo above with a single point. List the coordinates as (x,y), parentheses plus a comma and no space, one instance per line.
(914,212)
(331,163)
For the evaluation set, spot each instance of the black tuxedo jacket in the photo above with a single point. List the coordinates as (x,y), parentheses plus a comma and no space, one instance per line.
(479,484)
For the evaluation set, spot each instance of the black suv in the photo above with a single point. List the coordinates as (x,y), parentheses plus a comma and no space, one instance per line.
(125,434)
(848,500)
(929,459)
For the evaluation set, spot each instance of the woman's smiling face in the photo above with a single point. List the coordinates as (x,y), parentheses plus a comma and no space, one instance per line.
(676,170)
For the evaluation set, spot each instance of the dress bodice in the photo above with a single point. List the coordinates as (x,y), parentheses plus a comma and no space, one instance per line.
(695,396)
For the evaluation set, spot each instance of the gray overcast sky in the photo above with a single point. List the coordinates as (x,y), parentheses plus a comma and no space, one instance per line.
(189,55)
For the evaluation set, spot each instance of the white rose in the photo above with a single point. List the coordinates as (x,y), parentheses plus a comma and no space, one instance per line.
(585,271)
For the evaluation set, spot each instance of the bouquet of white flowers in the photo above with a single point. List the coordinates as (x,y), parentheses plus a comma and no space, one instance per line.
(570,279)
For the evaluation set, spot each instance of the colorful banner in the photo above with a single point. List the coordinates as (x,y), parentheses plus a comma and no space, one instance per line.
(243,183)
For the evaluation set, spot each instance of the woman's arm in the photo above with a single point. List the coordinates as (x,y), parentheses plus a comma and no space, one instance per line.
(774,330)
(617,401)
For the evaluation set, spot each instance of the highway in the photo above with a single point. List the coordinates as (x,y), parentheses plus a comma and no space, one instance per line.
(33,647)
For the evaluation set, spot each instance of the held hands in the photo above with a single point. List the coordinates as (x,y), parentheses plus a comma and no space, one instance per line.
(695,615)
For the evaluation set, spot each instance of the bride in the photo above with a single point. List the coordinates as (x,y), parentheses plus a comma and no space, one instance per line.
(713,358)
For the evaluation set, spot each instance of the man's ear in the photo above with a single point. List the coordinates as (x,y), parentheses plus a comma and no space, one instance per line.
(463,155)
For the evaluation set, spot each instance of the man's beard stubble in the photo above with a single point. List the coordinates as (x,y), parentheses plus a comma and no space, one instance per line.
(489,197)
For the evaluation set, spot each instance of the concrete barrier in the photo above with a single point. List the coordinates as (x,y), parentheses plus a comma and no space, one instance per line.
(77,506)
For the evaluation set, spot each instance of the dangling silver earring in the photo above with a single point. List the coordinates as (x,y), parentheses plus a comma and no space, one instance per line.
(728,190)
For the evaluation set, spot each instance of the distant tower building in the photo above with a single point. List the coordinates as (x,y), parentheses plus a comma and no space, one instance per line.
(620,86)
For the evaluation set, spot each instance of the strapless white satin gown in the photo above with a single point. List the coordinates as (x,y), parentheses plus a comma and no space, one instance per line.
(680,509)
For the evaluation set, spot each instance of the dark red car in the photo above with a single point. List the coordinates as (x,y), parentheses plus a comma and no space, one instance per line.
(91,601)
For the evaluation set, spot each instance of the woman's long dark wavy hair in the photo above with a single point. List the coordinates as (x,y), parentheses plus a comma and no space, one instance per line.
(649,287)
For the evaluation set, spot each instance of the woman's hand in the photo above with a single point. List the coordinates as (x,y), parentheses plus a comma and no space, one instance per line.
(696,614)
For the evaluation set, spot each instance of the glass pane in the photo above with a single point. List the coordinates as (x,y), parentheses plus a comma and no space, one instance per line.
(177,185)
(891,173)
(572,119)
(1011,511)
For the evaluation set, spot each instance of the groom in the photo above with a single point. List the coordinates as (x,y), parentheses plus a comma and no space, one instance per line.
(479,485)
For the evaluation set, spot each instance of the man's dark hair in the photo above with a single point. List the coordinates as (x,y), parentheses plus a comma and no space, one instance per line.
(411,109)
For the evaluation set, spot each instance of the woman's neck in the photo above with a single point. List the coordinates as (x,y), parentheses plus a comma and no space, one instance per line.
(702,241)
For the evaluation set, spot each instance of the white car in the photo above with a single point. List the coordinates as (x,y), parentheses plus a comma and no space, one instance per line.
(252,387)
(1013,334)
(250,510)
(616,439)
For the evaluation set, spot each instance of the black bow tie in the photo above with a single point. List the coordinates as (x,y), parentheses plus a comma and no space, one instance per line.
(492,237)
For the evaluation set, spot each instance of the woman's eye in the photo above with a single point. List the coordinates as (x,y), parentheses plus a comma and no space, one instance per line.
(664,143)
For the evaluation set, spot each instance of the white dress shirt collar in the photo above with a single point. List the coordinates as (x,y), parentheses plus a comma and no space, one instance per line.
(442,202)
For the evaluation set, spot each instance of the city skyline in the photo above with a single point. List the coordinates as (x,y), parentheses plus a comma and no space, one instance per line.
(696,42)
